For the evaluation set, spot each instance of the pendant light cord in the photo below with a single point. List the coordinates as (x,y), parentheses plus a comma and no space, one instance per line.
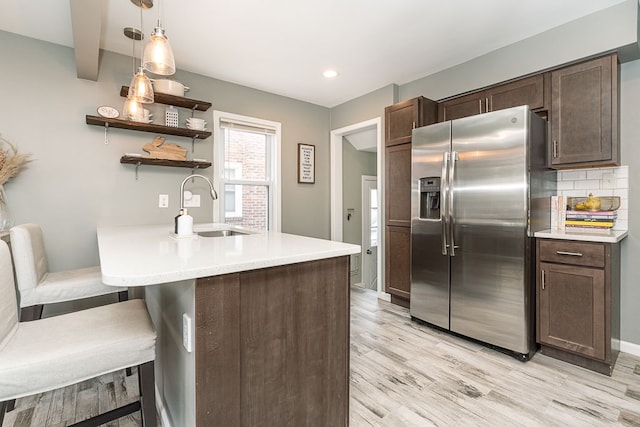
(141,34)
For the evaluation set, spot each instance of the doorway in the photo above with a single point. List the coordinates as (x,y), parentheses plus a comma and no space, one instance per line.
(369,232)
(337,213)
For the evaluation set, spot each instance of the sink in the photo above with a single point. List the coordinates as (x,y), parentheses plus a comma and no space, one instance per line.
(220,233)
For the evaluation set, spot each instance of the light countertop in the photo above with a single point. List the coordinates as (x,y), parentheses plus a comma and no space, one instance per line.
(612,236)
(148,254)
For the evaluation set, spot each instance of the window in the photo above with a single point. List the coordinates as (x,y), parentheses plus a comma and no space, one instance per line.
(247,158)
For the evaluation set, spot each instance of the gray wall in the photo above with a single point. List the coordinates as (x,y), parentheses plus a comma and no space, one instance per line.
(630,153)
(591,35)
(354,164)
(364,107)
(76,182)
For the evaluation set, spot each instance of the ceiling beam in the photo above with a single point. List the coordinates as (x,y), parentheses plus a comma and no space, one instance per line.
(86,25)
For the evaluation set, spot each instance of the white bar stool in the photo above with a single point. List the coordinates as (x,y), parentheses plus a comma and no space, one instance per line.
(37,286)
(55,352)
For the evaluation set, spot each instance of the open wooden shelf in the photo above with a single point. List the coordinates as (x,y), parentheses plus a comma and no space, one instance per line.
(191,164)
(178,101)
(147,127)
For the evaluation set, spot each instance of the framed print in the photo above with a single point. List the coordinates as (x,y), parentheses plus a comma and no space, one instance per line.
(306,164)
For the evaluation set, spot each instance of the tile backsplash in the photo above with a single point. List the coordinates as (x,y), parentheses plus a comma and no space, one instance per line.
(612,181)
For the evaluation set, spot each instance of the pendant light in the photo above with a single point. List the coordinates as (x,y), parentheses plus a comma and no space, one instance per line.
(158,55)
(140,89)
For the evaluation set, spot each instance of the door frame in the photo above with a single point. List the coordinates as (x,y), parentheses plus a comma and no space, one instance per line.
(366,230)
(336,218)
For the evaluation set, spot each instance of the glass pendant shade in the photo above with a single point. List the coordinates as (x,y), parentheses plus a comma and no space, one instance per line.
(131,109)
(140,89)
(158,56)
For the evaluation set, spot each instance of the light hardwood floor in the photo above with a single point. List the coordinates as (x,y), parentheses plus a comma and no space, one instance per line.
(406,374)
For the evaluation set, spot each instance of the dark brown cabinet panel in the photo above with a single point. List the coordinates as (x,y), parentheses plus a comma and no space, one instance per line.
(528,91)
(400,120)
(532,91)
(403,117)
(584,114)
(571,309)
(272,346)
(398,261)
(398,185)
(463,106)
(578,302)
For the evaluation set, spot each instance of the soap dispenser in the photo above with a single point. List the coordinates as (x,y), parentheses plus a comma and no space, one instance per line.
(184,223)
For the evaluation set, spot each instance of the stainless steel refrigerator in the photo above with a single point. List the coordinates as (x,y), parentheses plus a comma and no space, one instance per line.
(479,190)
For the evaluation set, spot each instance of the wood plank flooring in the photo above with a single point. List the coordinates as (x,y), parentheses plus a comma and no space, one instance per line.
(406,374)
(68,405)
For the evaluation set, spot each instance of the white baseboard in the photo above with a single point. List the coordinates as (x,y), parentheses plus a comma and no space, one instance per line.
(162,410)
(629,347)
(384,296)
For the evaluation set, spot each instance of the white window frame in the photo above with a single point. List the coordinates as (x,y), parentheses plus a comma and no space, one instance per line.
(237,209)
(273,165)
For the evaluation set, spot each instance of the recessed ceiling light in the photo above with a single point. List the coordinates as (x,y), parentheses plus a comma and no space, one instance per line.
(330,74)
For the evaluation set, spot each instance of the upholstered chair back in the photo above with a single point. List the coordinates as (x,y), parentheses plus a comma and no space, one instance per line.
(8,304)
(29,257)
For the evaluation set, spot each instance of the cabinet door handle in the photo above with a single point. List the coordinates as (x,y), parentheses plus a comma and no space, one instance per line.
(542,279)
(414,125)
(569,253)
(480,105)
(486,104)
(555,149)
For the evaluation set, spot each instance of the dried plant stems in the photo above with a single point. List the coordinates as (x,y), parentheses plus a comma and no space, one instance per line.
(11,162)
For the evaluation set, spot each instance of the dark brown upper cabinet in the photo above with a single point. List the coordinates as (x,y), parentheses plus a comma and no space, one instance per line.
(532,91)
(403,117)
(584,114)
(528,91)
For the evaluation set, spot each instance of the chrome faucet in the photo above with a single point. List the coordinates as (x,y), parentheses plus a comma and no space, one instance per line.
(214,195)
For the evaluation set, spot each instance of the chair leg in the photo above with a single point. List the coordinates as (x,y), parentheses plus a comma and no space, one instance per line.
(146,382)
(124,296)
(33,312)
(2,406)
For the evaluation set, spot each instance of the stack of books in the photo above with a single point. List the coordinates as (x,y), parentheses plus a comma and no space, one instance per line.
(604,220)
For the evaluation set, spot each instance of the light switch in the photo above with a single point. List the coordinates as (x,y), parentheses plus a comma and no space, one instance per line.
(163,201)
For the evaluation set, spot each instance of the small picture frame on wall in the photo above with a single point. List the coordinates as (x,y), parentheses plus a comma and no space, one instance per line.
(306,164)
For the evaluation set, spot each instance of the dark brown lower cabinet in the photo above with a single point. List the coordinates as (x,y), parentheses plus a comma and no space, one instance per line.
(272,346)
(398,264)
(578,302)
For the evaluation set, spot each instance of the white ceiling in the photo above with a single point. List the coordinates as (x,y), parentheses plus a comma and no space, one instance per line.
(283,46)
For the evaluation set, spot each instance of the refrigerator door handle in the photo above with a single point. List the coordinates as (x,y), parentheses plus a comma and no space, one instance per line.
(452,174)
(443,206)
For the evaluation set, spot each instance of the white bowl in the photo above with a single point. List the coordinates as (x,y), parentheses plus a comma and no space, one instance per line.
(169,87)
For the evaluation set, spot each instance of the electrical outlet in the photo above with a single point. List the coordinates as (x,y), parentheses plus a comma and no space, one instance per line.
(186,332)
(163,201)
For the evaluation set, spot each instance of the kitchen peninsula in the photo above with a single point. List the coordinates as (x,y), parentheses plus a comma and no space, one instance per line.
(252,329)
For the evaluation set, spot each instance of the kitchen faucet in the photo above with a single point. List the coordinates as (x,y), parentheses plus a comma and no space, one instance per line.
(214,194)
